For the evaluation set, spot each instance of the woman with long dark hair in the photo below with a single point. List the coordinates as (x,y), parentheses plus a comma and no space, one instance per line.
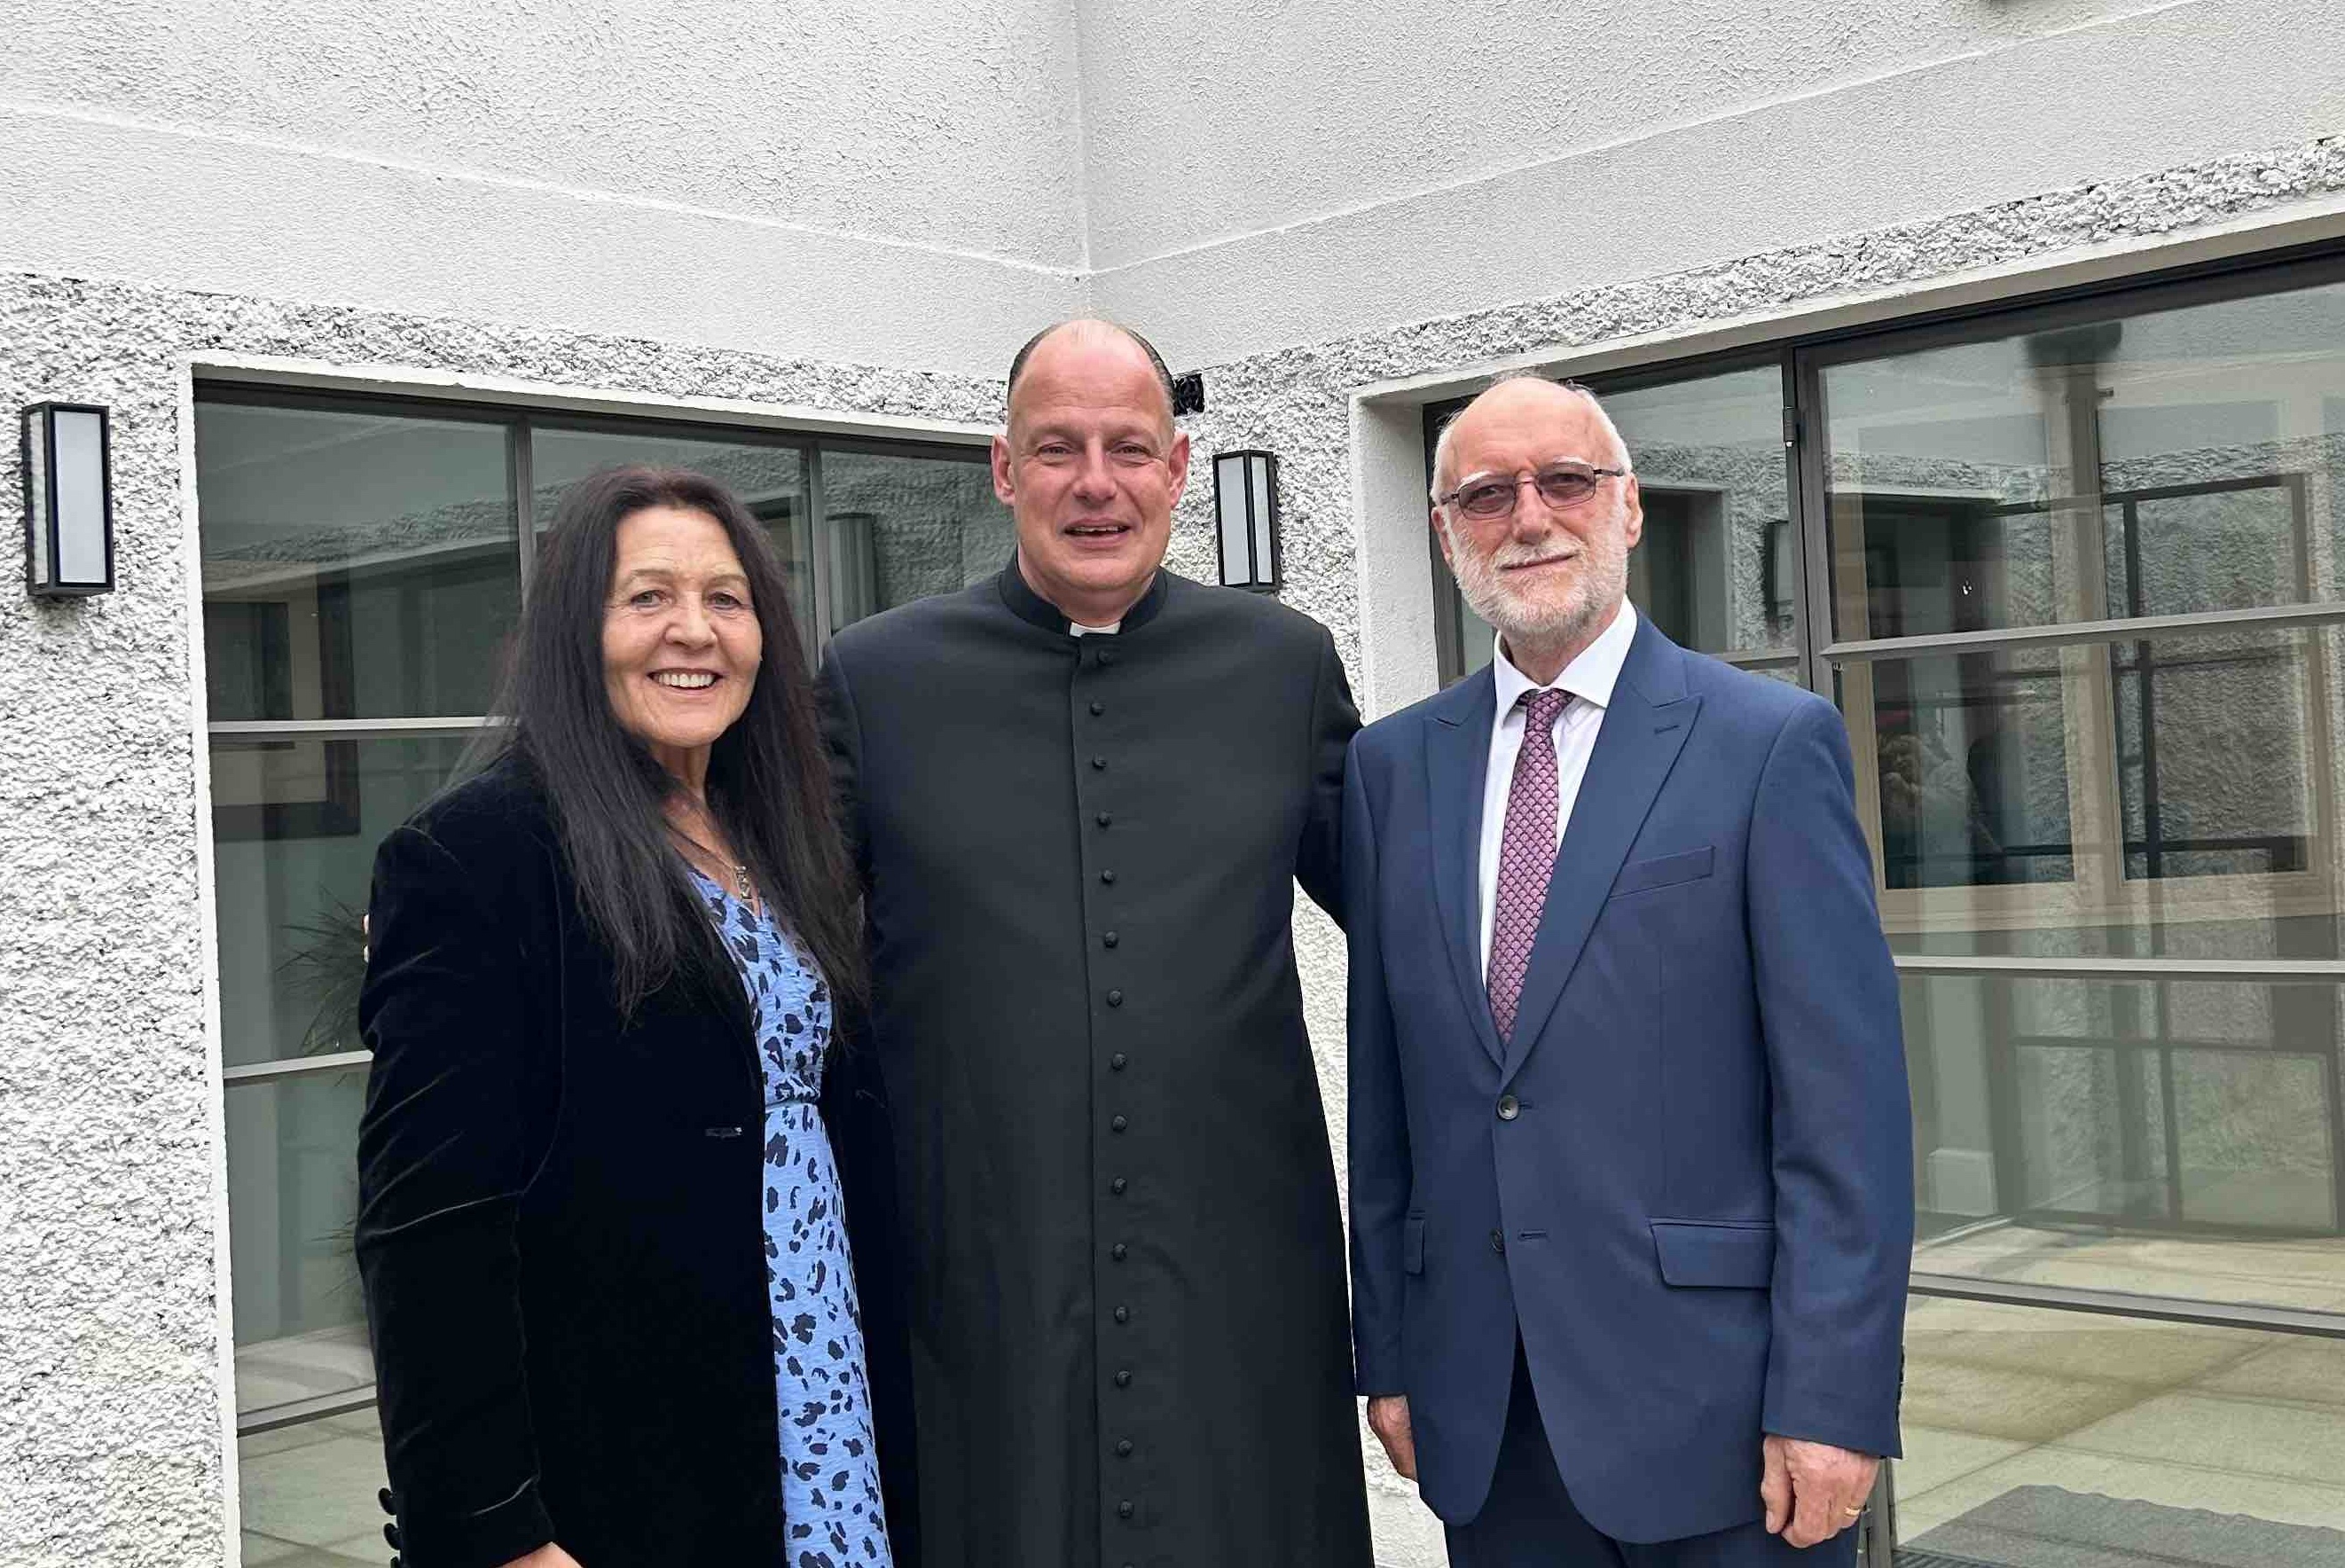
(617,1188)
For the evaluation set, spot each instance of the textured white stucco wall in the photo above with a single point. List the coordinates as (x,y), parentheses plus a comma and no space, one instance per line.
(880,181)
(1297,172)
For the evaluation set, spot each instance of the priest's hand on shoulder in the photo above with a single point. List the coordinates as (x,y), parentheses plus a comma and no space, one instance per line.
(1388,1418)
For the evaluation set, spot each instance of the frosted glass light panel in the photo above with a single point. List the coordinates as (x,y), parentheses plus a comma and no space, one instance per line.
(1245,511)
(69,511)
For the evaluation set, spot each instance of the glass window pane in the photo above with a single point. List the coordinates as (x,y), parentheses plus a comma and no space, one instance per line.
(1717,564)
(769,479)
(2255,1139)
(295,823)
(2214,768)
(292,1183)
(2163,463)
(2036,1437)
(1973,769)
(2169,795)
(902,528)
(2160,1136)
(309,1494)
(356,565)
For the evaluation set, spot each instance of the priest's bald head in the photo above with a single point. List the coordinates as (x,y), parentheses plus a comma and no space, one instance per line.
(1091,467)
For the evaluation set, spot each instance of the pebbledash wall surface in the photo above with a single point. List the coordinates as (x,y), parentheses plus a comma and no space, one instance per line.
(833,224)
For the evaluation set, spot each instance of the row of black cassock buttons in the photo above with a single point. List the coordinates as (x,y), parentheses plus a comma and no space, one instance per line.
(1117,1061)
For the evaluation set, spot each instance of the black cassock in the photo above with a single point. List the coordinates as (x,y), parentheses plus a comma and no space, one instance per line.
(1128,1311)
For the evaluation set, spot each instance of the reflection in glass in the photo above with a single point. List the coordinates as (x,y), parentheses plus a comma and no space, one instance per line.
(309,1494)
(2110,778)
(2166,463)
(292,1179)
(2212,762)
(2036,1437)
(903,528)
(1716,568)
(2055,1117)
(1973,769)
(295,826)
(356,565)
(2258,1139)
(770,480)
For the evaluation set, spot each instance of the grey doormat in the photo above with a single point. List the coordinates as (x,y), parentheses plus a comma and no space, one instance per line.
(2052,1527)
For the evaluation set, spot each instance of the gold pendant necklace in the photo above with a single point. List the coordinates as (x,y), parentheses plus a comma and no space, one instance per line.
(740,870)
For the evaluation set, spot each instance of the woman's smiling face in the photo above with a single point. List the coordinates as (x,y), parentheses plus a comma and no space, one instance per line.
(681,641)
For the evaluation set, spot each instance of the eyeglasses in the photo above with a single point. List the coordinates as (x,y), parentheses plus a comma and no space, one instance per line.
(1560,484)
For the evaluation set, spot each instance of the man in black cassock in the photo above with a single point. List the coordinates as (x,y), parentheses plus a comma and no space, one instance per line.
(1081,794)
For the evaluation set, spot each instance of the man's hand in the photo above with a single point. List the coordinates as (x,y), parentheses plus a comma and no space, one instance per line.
(1388,1418)
(1812,1491)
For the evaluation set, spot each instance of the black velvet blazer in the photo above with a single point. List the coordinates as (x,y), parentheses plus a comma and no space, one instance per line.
(560,1222)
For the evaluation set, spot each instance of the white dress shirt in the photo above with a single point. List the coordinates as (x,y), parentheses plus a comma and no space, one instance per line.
(1589,679)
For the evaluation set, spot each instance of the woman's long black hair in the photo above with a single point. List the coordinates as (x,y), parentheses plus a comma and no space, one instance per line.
(768,784)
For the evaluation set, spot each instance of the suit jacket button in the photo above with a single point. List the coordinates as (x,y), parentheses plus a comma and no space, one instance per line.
(1117,1124)
(1119,1251)
(1124,1379)
(1117,1062)
(1510,1107)
(1124,1510)
(1115,999)
(1499,1242)
(1123,1448)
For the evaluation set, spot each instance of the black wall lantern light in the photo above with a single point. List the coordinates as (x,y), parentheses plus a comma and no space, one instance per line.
(68,501)
(1246,512)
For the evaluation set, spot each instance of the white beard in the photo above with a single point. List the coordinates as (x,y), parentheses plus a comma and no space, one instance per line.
(1551,617)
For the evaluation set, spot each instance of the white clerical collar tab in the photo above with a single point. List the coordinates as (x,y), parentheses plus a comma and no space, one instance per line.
(1077,629)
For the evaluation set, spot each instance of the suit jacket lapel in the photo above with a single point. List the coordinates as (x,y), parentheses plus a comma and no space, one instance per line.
(1457,765)
(1643,731)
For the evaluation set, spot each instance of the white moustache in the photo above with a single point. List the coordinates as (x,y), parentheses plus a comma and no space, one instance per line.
(1508,555)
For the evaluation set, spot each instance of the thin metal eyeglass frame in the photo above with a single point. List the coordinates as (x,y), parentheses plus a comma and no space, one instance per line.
(1596,477)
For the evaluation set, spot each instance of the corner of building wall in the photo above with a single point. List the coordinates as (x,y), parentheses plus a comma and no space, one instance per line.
(1398,654)
(208,946)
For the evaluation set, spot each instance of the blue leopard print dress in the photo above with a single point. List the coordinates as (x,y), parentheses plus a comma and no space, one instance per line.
(830,1471)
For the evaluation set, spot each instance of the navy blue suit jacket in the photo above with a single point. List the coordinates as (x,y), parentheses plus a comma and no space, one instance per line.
(1695,1149)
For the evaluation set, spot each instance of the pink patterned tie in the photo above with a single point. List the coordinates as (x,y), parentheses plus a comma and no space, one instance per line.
(1525,857)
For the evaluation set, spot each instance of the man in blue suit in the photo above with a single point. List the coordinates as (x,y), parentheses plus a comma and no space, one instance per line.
(1632,1173)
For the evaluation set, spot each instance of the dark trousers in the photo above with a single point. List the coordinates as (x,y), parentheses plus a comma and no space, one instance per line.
(1528,1520)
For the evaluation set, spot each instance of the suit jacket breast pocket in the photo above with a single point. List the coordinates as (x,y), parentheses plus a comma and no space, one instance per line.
(1665,871)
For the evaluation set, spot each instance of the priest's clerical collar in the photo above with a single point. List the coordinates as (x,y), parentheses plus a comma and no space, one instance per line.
(1032,608)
